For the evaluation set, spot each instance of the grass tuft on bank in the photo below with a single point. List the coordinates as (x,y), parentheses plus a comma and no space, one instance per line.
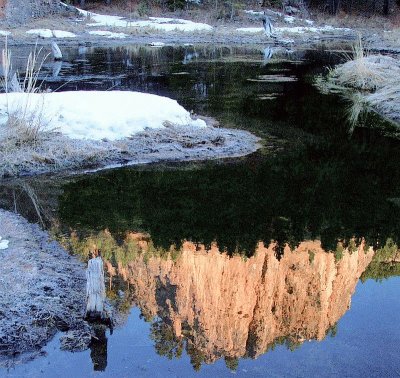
(373,79)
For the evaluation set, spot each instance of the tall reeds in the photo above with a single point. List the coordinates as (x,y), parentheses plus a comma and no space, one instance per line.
(25,119)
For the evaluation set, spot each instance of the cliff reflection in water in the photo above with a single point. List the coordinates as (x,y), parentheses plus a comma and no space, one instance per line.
(219,306)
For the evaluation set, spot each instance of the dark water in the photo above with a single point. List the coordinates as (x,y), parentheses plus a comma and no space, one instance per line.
(249,306)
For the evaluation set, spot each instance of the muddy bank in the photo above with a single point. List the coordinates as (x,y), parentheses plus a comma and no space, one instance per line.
(56,153)
(42,291)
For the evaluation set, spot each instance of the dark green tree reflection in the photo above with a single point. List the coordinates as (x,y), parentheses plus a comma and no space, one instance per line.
(327,191)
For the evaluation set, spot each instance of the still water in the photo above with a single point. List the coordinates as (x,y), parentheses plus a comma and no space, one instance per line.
(282,263)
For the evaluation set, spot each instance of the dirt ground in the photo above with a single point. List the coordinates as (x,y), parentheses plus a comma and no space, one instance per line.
(343,31)
(379,33)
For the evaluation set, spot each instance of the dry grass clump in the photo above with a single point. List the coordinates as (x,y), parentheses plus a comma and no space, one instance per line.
(375,78)
(22,125)
(387,100)
(368,73)
(55,152)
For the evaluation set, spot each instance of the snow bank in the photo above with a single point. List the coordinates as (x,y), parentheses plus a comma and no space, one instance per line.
(97,115)
(159,23)
(47,33)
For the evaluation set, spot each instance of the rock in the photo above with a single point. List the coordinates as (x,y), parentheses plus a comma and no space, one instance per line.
(230,306)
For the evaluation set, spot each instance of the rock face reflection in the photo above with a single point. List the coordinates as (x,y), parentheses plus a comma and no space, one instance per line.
(232,307)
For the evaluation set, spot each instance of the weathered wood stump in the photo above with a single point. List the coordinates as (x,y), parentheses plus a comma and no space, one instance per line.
(57,54)
(95,290)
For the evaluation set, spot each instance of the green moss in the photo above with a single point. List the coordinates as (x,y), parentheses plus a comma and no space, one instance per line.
(383,265)
(339,252)
(311,256)
(352,246)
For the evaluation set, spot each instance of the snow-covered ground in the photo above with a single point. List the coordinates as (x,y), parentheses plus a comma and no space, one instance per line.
(296,30)
(157,23)
(97,115)
(286,18)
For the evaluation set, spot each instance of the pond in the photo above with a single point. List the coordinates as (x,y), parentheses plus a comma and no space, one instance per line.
(281,263)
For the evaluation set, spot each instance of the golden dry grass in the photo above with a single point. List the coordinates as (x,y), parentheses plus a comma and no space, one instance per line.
(372,80)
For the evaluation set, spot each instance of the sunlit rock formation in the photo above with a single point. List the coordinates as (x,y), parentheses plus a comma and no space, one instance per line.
(240,307)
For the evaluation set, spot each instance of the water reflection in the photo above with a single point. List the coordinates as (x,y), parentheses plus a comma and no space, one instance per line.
(203,270)
(217,306)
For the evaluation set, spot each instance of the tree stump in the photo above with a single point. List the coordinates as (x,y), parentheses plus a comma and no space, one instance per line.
(95,290)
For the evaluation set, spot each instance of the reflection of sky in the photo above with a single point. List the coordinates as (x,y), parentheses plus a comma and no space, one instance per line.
(366,345)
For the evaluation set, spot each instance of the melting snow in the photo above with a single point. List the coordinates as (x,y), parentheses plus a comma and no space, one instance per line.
(296,29)
(304,29)
(3,243)
(289,19)
(4,33)
(97,115)
(255,13)
(109,34)
(157,44)
(47,33)
(159,23)
(63,34)
(250,30)
(44,33)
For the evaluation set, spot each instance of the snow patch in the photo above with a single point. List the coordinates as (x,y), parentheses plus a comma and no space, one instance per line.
(43,33)
(98,115)
(3,243)
(310,29)
(254,13)
(298,30)
(47,33)
(159,23)
(4,33)
(157,44)
(63,34)
(109,34)
(171,24)
(250,30)
(289,19)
